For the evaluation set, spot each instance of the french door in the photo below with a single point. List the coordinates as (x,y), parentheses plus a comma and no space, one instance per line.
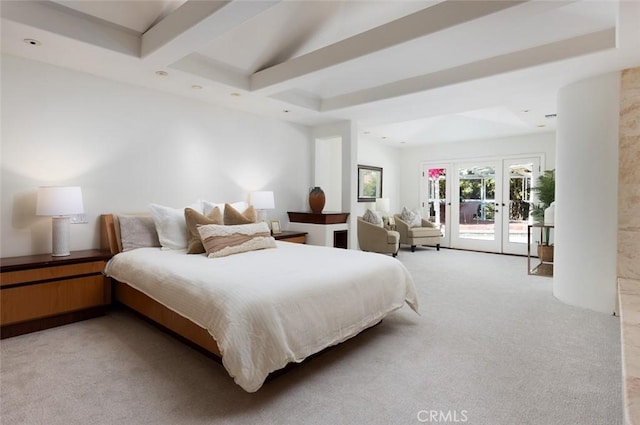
(481,205)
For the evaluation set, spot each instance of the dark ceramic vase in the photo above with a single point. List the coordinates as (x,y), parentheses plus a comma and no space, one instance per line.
(316,200)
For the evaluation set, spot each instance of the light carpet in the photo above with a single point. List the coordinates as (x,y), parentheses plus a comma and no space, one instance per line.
(492,346)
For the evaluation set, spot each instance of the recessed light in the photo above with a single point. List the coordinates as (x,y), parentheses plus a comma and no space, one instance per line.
(235,94)
(525,110)
(367,132)
(32,42)
(162,73)
(384,137)
(286,111)
(196,87)
(541,125)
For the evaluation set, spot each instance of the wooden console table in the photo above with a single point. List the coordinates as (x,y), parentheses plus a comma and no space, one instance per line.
(318,218)
(327,229)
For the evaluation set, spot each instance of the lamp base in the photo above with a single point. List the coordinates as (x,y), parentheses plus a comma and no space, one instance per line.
(60,236)
(261,215)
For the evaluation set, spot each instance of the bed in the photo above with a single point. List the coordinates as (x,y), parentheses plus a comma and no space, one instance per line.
(262,309)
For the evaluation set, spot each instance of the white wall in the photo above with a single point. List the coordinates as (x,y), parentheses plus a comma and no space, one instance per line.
(586,221)
(347,132)
(412,158)
(328,171)
(374,153)
(128,146)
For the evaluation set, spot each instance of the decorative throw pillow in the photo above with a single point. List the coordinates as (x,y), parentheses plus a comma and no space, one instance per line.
(412,218)
(233,216)
(220,241)
(171,225)
(137,231)
(372,217)
(193,219)
(207,206)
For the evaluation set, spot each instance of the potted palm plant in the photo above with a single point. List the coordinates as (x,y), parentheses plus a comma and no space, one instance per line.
(545,189)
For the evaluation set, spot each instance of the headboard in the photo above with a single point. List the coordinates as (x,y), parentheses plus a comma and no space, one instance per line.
(110,234)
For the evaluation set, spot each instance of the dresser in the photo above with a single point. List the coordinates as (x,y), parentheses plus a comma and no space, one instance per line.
(40,291)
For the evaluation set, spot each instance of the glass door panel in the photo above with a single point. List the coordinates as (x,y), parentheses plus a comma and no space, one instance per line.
(435,204)
(520,175)
(478,224)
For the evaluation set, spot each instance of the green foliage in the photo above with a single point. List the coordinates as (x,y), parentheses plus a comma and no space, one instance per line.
(545,189)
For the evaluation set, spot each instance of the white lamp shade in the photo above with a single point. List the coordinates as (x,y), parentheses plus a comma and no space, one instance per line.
(263,200)
(382,204)
(59,200)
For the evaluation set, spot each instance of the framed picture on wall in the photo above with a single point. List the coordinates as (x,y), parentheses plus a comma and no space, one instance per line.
(369,183)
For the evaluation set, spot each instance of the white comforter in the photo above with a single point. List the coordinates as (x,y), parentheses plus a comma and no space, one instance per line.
(270,307)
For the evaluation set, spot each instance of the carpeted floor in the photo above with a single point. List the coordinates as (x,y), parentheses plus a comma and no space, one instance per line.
(491,347)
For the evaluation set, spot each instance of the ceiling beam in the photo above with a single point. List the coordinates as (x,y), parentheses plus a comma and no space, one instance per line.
(193,25)
(61,20)
(535,56)
(441,16)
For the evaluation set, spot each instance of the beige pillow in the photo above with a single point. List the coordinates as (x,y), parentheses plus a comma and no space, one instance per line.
(233,216)
(193,219)
(220,241)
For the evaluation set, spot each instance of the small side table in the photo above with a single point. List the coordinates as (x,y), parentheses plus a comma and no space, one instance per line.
(40,291)
(291,236)
(545,265)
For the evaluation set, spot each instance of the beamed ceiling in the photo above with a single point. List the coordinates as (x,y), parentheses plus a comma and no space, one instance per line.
(409,73)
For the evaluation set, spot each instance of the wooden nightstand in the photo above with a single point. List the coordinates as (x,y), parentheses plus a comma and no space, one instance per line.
(40,291)
(290,236)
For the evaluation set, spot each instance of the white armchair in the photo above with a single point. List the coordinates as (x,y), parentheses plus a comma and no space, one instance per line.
(374,238)
(427,235)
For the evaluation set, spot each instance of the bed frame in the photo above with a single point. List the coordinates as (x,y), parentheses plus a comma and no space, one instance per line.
(148,307)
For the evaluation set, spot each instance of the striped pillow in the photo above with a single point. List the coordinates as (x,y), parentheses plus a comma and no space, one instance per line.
(221,240)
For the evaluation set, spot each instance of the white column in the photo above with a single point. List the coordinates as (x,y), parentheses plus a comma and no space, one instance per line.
(587,193)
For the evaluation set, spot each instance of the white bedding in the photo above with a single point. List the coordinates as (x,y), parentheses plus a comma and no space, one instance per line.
(270,307)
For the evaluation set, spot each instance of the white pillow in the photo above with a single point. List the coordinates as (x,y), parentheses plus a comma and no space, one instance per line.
(207,206)
(412,218)
(171,225)
(372,217)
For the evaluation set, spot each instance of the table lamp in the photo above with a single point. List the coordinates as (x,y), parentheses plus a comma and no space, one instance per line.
(59,202)
(262,200)
(383,205)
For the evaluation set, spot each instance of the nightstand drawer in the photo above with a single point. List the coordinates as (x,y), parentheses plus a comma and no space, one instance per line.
(37,301)
(290,236)
(297,239)
(41,291)
(51,273)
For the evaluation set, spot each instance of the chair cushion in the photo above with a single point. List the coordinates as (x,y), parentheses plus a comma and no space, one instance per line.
(393,237)
(423,232)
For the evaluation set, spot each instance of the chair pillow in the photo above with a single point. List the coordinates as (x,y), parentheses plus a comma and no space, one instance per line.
(372,217)
(220,241)
(412,218)
(193,219)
